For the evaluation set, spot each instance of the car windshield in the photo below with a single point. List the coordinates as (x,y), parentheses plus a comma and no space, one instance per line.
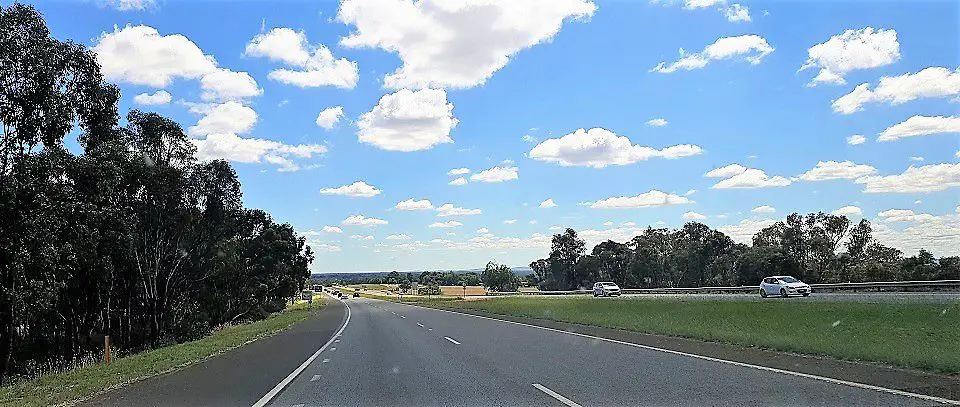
(342,202)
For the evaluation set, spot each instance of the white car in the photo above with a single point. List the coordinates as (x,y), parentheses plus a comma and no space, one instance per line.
(606,289)
(783,286)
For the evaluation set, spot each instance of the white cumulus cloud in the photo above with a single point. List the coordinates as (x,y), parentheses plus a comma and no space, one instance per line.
(751,48)
(329,117)
(651,198)
(548,203)
(829,170)
(921,126)
(932,82)
(310,65)
(849,211)
(231,147)
(852,50)
(224,84)
(691,215)
(459,181)
(454,44)
(856,139)
(496,174)
(444,225)
(414,205)
(356,189)
(740,177)
(658,122)
(451,210)
(764,209)
(927,178)
(408,121)
(458,171)
(141,56)
(160,97)
(599,147)
(360,220)
(331,229)
(229,117)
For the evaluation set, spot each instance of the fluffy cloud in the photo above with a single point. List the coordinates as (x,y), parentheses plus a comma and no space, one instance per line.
(829,170)
(751,47)
(324,247)
(356,189)
(408,121)
(329,117)
(743,232)
(856,139)
(904,215)
(738,176)
(510,221)
(932,82)
(331,229)
(130,5)
(691,215)
(458,181)
(361,237)
(764,209)
(450,210)
(454,44)
(313,66)
(927,178)
(849,211)
(458,171)
(599,147)
(735,12)
(496,174)
(141,56)
(658,122)
(921,126)
(231,147)
(414,205)
(229,117)
(402,236)
(938,234)
(647,199)
(160,97)
(548,203)
(224,84)
(447,224)
(360,220)
(852,50)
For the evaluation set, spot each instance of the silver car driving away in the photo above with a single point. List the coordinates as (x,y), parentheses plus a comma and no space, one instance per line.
(606,289)
(783,286)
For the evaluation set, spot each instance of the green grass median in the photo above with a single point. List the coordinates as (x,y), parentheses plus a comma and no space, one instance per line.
(76,384)
(924,336)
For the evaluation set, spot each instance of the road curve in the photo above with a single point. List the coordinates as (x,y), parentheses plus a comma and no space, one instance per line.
(396,354)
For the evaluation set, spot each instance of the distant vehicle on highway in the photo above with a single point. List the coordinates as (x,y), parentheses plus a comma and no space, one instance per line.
(356,295)
(783,286)
(606,289)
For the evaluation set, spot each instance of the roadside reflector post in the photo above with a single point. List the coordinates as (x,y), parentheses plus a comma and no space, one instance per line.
(106,349)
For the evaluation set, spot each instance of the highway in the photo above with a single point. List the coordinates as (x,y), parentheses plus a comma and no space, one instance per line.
(396,354)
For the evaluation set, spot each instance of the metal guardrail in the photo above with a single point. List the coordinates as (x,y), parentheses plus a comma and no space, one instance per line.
(889,286)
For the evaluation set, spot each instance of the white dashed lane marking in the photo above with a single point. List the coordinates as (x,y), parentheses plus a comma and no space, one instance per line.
(454,341)
(419,324)
(555,395)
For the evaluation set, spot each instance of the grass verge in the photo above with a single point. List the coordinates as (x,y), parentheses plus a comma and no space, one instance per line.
(67,387)
(924,336)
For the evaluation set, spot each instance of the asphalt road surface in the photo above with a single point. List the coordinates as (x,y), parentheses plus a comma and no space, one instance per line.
(400,355)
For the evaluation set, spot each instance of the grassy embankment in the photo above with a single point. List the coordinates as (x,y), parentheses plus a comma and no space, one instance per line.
(81,383)
(924,336)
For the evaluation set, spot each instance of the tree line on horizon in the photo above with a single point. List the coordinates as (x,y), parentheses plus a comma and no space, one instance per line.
(133,237)
(816,248)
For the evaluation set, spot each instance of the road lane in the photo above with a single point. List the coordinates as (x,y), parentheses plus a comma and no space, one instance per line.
(387,360)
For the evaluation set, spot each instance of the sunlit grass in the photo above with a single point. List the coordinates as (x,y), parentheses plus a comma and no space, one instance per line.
(925,336)
(86,381)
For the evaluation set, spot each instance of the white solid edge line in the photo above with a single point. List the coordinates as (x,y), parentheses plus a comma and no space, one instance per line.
(293,375)
(451,340)
(730,362)
(556,395)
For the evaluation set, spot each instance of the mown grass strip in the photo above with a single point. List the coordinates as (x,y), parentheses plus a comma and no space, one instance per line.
(924,336)
(67,387)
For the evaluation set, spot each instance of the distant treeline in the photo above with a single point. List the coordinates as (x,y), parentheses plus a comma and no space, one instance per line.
(133,238)
(816,248)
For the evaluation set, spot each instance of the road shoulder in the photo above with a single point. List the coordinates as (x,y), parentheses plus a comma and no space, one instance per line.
(238,377)
(908,380)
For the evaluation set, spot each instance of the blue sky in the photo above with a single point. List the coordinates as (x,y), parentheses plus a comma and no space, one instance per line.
(425,88)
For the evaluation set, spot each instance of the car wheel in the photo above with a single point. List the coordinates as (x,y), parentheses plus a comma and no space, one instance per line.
(594,294)
(806,294)
(783,292)
(763,293)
